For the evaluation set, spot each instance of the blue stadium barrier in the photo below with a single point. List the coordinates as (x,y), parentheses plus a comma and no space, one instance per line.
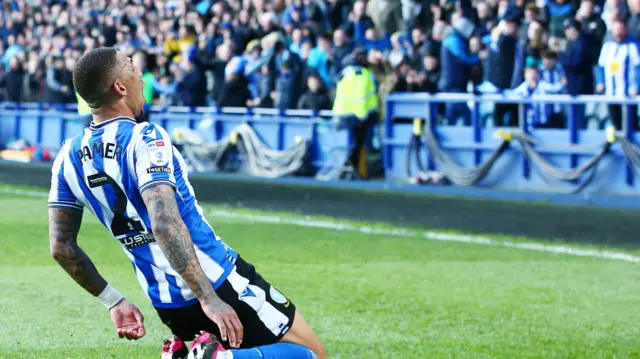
(470,145)
(49,125)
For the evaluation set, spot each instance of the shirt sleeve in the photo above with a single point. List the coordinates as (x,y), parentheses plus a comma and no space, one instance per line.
(153,157)
(60,194)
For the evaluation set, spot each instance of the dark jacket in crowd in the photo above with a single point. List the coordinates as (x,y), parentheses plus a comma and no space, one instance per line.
(338,13)
(431,81)
(633,23)
(503,64)
(315,100)
(456,62)
(288,91)
(193,88)
(556,14)
(577,64)
(60,77)
(12,82)
(339,54)
(32,88)
(266,84)
(235,92)
(356,30)
(595,29)
(218,68)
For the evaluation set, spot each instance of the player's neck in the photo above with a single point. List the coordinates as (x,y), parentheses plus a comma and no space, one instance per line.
(108,113)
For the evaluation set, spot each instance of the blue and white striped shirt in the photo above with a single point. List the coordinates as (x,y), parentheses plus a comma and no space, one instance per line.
(105,169)
(552,76)
(538,114)
(618,67)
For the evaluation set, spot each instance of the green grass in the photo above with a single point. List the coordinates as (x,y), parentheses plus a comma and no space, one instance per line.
(367,296)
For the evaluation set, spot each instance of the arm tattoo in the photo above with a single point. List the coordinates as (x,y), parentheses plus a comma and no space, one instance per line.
(175,240)
(64,224)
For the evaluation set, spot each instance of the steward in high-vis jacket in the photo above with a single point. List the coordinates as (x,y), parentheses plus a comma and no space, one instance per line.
(356,104)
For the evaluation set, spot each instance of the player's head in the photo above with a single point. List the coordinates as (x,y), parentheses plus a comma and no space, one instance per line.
(106,78)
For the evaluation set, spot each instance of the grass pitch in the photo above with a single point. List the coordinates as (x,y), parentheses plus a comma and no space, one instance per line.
(367,295)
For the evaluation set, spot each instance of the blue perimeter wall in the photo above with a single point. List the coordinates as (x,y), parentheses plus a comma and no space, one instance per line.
(511,178)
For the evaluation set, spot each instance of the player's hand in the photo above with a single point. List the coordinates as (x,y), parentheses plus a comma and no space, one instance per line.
(600,88)
(128,320)
(226,319)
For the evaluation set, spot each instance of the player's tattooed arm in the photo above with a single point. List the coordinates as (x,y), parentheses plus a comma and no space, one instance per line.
(64,224)
(175,240)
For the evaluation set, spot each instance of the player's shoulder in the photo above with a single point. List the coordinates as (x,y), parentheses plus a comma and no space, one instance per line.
(147,132)
(68,144)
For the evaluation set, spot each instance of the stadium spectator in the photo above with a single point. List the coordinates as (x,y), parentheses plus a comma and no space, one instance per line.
(537,114)
(13,80)
(612,10)
(296,41)
(13,49)
(415,50)
(552,73)
(59,82)
(386,16)
(534,43)
(457,60)
(192,84)
(531,15)
(617,71)
(319,59)
(578,62)
(236,88)
(592,24)
(341,49)
(338,12)
(634,19)
(372,41)
(34,80)
(485,20)
(504,65)
(286,96)
(431,71)
(316,98)
(358,23)
(556,12)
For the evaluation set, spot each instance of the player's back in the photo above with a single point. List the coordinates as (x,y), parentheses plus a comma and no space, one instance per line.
(106,168)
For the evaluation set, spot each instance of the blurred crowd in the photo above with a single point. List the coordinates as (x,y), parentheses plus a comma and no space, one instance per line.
(290,54)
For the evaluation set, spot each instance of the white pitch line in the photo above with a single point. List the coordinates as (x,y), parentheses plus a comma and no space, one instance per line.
(437,236)
(309,222)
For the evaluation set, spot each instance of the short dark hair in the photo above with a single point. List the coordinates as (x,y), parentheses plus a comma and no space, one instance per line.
(549,54)
(94,75)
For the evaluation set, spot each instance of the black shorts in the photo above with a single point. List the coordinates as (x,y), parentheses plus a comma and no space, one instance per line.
(265,313)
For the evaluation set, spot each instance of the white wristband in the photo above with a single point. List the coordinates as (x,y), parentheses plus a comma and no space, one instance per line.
(110,297)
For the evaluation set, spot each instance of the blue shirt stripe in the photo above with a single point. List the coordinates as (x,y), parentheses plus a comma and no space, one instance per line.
(174,289)
(123,138)
(76,145)
(98,163)
(144,261)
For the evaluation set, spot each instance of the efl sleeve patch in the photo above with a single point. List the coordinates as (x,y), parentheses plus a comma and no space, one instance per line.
(158,153)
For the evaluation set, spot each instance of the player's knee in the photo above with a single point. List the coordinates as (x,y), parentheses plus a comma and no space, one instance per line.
(319,351)
(315,346)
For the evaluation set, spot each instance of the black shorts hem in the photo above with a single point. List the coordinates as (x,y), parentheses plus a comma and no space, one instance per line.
(258,306)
